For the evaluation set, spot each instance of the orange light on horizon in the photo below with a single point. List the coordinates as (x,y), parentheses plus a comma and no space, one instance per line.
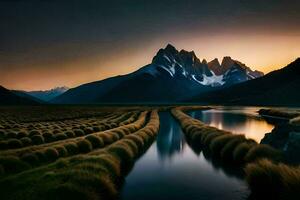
(260,52)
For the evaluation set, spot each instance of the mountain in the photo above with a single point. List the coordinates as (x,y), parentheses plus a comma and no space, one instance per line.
(230,65)
(170,76)
(27,96)
(47,95)
(280,87)
(7,97)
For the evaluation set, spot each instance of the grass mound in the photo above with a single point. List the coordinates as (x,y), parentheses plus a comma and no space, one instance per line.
(30,158)
(227,150)
(72,148)
(37,139)
(263,151)
(240,151)
(26,141)
(61,136)
(12,164)
(84,146)
(14,143)
(51,154)
(96,141)
(273,181)
(218,143)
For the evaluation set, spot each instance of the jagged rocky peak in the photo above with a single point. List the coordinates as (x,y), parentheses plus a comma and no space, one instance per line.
(215,66)
(186,64)
(227,63)
(189,57)
(180,63)
(168,54)
(171,49)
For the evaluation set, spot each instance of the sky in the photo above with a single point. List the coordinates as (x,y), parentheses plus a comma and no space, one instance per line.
(49,43)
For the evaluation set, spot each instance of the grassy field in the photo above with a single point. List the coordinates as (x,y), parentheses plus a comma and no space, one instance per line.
(71,152)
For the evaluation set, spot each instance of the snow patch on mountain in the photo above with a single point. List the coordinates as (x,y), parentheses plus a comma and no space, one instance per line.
(213,80)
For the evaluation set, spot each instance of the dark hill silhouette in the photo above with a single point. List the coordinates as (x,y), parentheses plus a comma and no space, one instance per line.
(7,97)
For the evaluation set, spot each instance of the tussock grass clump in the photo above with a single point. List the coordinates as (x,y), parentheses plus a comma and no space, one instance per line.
(147,139)
(207,138)
(72,148)
(88,130)
(273,181)
(263,151)
(120,132)
(218,143)
(96,128)
(34,132)
(69,191)
(26,141)
(14,143)
(61,136)
(11,134)
(49,137)
(96,142)
(110,163)
(78,132)
(96,186)
(240,151)
(137,139)
(37,139)
(133,146)
(62,151)
(13,164)
(30,158)
(70,134)
(84,146)
(124,153)
(22,134)
(51,154)
(115,136)
(107,138)
(227,150)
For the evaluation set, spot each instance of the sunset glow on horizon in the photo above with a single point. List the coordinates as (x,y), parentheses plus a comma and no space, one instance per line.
(88,43)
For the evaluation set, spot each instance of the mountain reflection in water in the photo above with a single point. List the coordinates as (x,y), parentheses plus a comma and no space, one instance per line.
(170,169)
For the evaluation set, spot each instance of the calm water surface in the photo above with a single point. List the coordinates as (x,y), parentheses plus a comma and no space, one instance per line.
(239,120)
(170,169)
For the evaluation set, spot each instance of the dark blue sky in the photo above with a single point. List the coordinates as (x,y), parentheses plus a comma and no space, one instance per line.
(40,40)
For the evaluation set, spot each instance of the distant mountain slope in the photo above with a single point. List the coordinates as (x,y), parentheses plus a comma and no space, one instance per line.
(47,95)
(9,98)
(280,87)
(172,75)
(27,96)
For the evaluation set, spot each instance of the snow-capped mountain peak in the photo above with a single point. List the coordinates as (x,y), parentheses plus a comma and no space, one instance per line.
(186,63)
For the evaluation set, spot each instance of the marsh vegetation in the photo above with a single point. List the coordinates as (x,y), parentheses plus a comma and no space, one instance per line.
(104,153)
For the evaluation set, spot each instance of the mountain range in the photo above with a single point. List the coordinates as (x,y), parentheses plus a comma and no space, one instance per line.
(178,77)
(47,95)
(278,88)
(172,75)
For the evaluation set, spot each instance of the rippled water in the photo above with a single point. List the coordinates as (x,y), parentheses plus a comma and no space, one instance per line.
(170,169)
